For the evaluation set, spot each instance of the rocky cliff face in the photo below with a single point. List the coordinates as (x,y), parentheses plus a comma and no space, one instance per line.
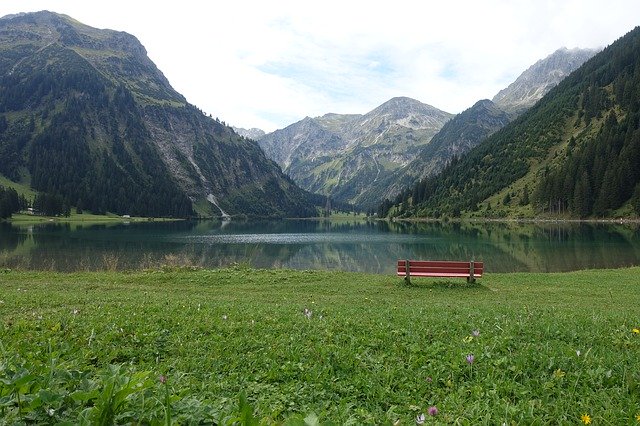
(541,77)
(400,112)
(343,155)
(111,121)
(305,141)
(252,133)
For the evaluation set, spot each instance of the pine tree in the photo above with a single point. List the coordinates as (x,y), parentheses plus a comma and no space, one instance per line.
(582,197)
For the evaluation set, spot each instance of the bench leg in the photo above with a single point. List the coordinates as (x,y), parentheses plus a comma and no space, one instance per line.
(407,279)
(471,280)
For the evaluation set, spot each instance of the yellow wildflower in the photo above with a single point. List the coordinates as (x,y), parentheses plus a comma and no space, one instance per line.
(586,419)
(636,331)
(638,417)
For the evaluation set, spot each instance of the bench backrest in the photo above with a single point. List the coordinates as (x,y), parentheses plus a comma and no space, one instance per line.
(440,268)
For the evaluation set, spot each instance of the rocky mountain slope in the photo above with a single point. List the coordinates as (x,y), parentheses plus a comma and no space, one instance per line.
(342,155)
(541,77)
(574,154)
(86,115)
(457,136)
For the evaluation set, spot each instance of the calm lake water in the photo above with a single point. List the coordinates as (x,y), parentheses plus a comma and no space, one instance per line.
(351,246)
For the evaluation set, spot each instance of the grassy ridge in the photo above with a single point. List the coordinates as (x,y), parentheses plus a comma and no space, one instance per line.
(548,348)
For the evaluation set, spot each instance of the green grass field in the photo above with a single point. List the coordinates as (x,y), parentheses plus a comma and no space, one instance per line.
(85,218)
(243,346)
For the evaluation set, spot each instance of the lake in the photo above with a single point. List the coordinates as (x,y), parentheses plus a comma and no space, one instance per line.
(308,244)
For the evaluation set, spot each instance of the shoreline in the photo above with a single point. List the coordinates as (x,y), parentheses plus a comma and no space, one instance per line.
(618,221)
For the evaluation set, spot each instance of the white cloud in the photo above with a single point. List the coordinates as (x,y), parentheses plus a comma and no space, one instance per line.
(268,64)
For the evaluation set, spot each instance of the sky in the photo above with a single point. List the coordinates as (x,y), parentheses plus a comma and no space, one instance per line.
(268,64)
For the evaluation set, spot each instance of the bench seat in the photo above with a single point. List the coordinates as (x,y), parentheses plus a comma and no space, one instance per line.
(440,268)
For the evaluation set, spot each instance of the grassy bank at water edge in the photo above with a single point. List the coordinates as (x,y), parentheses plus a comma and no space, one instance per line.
(281,346)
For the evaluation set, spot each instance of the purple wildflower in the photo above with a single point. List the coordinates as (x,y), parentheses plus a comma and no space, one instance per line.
(163,379)
(433,410)
(420,419)
(470,359)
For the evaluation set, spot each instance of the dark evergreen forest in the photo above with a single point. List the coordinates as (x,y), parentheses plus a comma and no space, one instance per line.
(10,202)
(81,137)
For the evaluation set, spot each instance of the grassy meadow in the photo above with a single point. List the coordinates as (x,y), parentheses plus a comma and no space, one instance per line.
(84,218)
(244,346)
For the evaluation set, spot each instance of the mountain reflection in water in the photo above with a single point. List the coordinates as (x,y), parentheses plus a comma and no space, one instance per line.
(372,246)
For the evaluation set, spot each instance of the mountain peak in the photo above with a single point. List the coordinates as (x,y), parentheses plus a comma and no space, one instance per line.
(403,103)
(47,27)
(406,112)
(541,77)
(116,54)
(342,155)
(252,133)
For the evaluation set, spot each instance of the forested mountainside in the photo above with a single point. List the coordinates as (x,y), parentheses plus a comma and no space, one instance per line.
(87,116)
(343,156)
(574,154)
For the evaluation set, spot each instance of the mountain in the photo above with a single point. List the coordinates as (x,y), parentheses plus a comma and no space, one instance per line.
(541,77)
(469,128)
(343,155)
(253,133)
(574,154)
(457,136)
(86,115)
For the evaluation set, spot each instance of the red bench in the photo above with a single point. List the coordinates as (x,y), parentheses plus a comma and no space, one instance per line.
(440,268)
